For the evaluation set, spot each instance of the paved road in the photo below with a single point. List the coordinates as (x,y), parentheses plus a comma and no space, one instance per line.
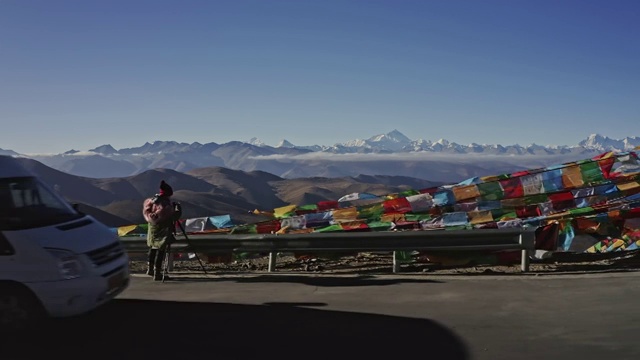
(289,316)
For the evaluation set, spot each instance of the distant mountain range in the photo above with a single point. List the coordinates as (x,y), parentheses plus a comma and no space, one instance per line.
(391,154)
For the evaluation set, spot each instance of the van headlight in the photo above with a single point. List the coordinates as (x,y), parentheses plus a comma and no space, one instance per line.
(68,263)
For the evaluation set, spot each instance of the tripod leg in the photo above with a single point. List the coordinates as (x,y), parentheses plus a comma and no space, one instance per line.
(201,265)
(165,264)
(186,238)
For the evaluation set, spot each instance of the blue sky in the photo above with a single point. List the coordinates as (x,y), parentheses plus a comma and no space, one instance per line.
(80,74)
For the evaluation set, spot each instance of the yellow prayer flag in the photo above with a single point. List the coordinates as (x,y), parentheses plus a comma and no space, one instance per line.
(572,177)
(465,192)
(345,214)
(628,186)
(283,211)
(479,217)
(395,217)
(124,230)
(491,178)
(512,203)
(559,215)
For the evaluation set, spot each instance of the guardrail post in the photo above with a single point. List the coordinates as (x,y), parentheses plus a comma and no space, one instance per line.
(396,263)
(524,264)
(272,261)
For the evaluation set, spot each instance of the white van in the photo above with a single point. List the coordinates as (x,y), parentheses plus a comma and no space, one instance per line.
(54,260)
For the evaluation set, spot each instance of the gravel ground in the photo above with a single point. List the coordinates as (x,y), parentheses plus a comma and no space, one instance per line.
(382,263)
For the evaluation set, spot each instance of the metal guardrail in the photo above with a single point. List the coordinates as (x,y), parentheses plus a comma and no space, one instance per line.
(409,240)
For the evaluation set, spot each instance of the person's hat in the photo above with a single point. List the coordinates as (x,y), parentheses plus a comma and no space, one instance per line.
(165,189)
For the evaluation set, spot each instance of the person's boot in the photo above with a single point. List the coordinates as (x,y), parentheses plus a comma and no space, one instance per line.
(159,262)
(158,275)
(151,258)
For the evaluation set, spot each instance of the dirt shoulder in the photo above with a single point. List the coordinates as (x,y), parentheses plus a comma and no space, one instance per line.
(382,263)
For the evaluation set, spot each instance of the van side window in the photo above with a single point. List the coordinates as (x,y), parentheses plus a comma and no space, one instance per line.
(25,193)
(6,201)
(27,203)
(5,247)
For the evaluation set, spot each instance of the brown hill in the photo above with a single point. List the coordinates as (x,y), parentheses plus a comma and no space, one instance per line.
(103,216)
(313,190)
(211,191)
(253,186)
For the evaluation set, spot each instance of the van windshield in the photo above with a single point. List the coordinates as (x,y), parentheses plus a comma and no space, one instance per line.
(25,202)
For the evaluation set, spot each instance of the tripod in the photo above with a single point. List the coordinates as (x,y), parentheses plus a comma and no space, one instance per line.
(167,255)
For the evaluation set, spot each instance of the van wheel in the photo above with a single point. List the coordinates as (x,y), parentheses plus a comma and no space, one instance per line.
(19,309)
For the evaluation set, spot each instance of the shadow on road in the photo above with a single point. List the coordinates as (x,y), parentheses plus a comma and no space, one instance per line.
(142,329)
(323,280)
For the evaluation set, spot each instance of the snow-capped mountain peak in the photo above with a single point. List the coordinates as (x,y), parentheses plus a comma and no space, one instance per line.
(256,142)
(285,144)
(443,142)
(393,141)
(593,140)
(604,143)
(356,143)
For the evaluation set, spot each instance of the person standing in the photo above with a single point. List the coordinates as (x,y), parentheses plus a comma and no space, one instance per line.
(160,214)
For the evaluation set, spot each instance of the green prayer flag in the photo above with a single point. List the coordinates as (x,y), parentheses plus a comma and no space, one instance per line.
(330,228)
(490,190)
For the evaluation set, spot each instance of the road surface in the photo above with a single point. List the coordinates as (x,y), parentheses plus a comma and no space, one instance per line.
(302,316)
